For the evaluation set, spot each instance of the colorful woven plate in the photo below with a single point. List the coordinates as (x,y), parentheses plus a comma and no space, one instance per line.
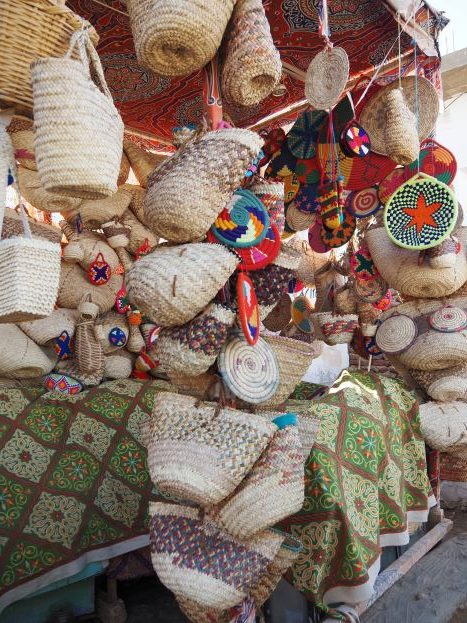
(435,160)
(354,141)
(248,309)
(362,265)
(314,237)
(250,372)
(291,188)
(283,163)
(243,223)
(335,238)
(370,291)
(306,199)
(301,311)
(448,320)
(421,213)
(363,203)
(307,171)
(303,136)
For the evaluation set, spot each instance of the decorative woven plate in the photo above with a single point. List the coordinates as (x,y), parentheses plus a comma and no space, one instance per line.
(297,220)
(370,291)
(421,213)
(354,141)
(448,320)
(291,188)
(248,309)
(250,372)
(301,311)
(283,163)
(435,160)
(262,254)
(339,236)
(303,136)
(363,203)
(373,114)
(396,334)
(362,265)
(62,383)
(307,171)
(326,77)
(315,239)
(306,200)
(243,223)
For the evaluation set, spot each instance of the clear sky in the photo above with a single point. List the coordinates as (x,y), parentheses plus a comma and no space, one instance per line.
(454,36)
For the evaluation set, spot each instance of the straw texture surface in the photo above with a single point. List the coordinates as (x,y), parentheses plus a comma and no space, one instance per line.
(443,385)
(20,357)
(49,328)
(326,77)
(34,192)
(400,131)
(444,426)
(142,162)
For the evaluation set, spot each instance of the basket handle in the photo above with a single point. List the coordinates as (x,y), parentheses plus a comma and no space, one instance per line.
(80,39)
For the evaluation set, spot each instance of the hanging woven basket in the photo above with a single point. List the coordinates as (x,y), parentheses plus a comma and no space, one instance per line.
(400,131)
(326,77)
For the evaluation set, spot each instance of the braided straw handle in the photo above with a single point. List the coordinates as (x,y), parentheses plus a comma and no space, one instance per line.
(80,39)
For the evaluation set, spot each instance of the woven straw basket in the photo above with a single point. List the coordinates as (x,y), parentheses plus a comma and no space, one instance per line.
(12,226)
(142,162)
(193,348)
(200,454)
(118,365)
(252,67)
(173,284)
(89,353)
(443,385)
(75,284)
(22,136)
(273,490)
(46,329)
(23,27)
(431,350)
(20,357)
(400,130)
(95,212)
(294,358)
(279,317)
(335,329)
(79,132)
(177,37)
(400,268)
(216,570)
(199,386)
(32,190)
(138,195)
(444,426)
(187,192)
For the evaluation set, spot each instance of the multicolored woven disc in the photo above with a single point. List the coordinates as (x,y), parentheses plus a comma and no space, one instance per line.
(362,265)
(301,311)
(315,239)
(448,319)
(335,238)
(260,255)
(354,141)
(370,291)
(243,223)
(250,372)
(363,203)
(248,309)
(303,136)
(291,188)
(62,383)
(283,163)
(306,199)
(307,171)
(421,213)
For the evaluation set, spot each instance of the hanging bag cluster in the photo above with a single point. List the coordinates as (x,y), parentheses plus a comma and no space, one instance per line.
(79,132)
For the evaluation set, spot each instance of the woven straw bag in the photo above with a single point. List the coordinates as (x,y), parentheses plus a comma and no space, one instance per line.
(118,365)
(173,284)
(142,162)
(200,452)
(20,357)
(444,426)
(400,131)
(46,329)
(431,350)
(22,136)
(215,569)
(23,25)
(139,234)
(252,64)
(272,490)
(199,386)
(294,358)
(279,317)
(187,192)
(335,329)
(33,191)
(443,385)
(74,285)
(12,226)
(271,195)
(95,212)
(193,348)
(402,270)
(177,37)
(88,349)
(79,132)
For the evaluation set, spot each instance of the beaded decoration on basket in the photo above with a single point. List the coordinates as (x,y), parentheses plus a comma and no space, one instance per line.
(63,345)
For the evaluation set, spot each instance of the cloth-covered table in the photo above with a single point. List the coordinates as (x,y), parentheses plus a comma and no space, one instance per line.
(74,484)
(365,479)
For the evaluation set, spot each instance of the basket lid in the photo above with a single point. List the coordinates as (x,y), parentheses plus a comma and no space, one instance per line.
(448,319)
(396,334)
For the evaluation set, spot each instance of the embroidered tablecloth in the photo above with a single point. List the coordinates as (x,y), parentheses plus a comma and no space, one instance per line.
(365,479)
(74,485)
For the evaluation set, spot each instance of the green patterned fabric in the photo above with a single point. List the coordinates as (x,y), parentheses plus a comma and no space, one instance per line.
(73,475)
(364,479)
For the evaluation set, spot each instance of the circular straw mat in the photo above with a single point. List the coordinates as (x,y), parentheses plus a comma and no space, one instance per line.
(326,77)
(396,334)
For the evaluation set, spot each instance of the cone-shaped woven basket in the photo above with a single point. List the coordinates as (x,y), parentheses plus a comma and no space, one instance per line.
(252,67)
(142,162)
(173,284)
(443,385)
(193,348)
(401,269)
(177,37)
(187,192)
(20,357)
(400,131)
